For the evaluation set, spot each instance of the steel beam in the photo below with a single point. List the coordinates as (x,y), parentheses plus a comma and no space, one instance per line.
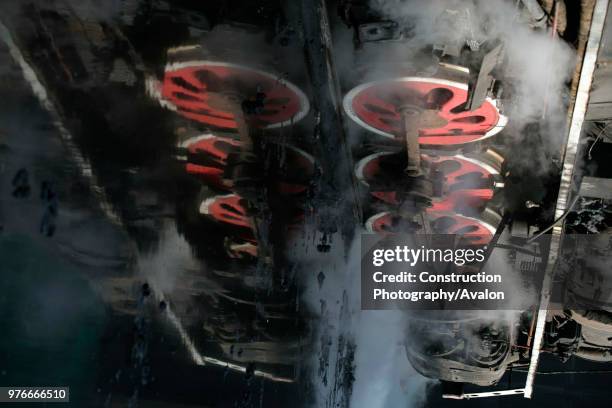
(565,190)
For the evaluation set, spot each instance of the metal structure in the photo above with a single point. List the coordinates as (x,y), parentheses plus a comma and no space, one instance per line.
(565,191)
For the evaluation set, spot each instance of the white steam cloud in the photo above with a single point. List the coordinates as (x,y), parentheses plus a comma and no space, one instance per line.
(383,376)
(537,64)
(163,268)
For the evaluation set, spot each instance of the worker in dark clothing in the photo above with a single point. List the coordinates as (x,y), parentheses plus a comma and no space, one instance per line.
(21,184)
(49,198)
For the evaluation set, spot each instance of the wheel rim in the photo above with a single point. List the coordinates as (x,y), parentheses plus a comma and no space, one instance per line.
(227,209)
(477,231)
(375,106)
(214,150)
(469,181)
(186,88)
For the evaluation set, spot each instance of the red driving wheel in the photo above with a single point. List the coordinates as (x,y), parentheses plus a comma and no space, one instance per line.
(230,209)
(476,231)
(227,209)
(469,182)
(376,107)
(187,86)
(297,170)
(216,150)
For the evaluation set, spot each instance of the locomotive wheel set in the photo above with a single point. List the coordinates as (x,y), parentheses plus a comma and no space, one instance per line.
(233,153)
(253,180)
(454,183)
(427,166)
